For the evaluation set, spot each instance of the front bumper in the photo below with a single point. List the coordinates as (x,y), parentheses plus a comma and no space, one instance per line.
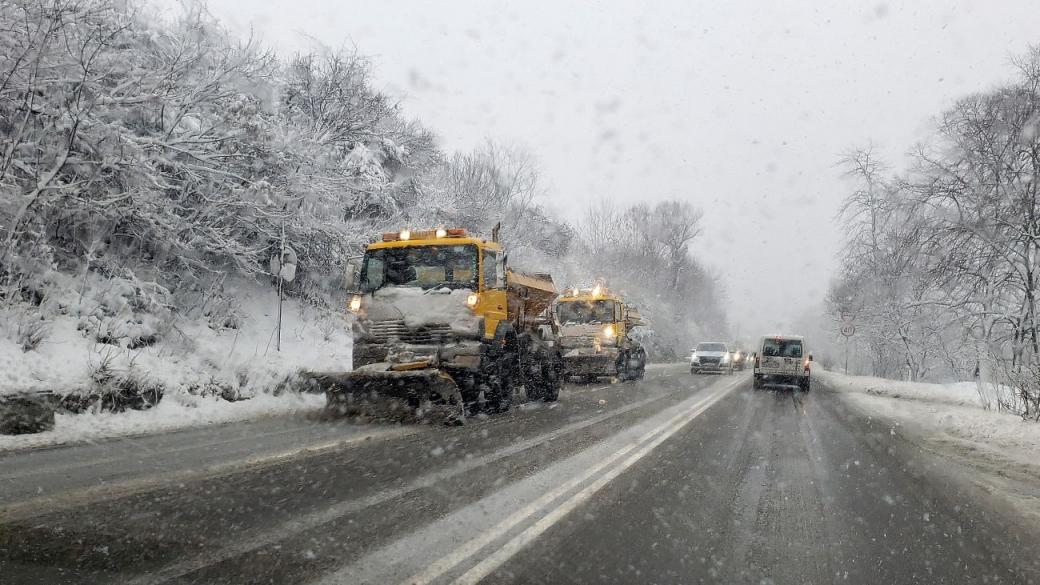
(709,366)
(585,361)
(462,355)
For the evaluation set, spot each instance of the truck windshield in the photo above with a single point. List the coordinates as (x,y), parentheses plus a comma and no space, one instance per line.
(711,347)
(782,348)
(572,312)
(420,266)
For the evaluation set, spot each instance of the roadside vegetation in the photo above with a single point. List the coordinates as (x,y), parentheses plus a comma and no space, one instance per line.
(941,265)
(150,170)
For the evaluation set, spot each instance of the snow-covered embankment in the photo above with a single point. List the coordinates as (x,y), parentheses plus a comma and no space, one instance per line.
(1000,451)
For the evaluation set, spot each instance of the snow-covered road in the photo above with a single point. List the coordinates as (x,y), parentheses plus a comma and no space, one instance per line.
(677,478)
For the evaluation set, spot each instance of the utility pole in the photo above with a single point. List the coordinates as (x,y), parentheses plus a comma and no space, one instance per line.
(847,330)
(281,259)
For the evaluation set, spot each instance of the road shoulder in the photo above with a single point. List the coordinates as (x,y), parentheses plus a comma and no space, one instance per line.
(990,454)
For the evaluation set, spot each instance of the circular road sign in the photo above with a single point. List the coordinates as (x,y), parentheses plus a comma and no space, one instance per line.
(848,330)
(847,316)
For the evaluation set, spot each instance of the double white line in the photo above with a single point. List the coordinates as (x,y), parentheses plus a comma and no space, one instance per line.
(553,505)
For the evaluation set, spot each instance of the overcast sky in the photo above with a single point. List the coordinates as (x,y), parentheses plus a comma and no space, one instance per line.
(740,107)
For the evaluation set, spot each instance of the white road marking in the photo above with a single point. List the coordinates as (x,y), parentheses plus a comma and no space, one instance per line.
(89,462)
(500,556)
(642,445)
(50,504)
(310,521)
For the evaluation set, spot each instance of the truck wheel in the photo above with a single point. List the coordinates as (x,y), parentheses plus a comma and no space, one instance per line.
(804,384)
(640,369)
(551,390)
(505,384)
(757,382)
(553,379)
(622,368)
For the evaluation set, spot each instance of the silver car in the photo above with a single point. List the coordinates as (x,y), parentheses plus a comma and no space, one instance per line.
(711,356)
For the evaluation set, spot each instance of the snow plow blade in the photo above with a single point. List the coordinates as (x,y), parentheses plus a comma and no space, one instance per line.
(412,392)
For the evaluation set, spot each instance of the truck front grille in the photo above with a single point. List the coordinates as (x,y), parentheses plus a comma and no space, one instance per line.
(579,341)
(385,331)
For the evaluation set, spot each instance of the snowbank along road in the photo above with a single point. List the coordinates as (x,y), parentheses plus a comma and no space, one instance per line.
(674,479)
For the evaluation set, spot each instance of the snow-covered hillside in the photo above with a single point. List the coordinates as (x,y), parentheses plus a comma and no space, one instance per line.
(198,370)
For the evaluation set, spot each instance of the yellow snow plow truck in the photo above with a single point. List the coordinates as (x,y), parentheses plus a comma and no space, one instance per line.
(594,331)
(442,326)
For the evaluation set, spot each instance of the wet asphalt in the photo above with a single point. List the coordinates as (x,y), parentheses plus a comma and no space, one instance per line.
(673,479)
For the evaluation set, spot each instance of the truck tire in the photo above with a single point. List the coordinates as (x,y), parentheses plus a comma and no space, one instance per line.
(503,373)
(502,386)
(551,390)
(805,384)
(640,370)
(756,383)
(557,377)
(623,368)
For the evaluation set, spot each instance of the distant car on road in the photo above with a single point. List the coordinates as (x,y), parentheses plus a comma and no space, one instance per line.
(739,359)
(711,356)
(782,359)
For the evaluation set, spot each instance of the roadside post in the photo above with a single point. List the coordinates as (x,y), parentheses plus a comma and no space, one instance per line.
(283,267)
(848,330)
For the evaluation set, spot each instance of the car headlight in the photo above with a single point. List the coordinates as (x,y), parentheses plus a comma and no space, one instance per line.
(355,304)
(608,332)
(725,357)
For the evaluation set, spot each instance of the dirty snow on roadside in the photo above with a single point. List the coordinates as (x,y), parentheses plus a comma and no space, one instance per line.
(952,420)
(197,366)
(169,415)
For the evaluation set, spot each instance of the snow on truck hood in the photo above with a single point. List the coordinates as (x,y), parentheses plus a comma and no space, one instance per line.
(418,307)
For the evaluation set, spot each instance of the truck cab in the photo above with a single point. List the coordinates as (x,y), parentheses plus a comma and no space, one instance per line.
(595,334)
(419,291)
(436,312)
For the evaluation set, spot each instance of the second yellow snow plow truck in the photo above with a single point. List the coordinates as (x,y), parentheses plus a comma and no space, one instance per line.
(595,326)
(443,326)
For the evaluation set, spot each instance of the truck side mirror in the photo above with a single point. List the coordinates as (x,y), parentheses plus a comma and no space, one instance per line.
(351,274)
(810,357)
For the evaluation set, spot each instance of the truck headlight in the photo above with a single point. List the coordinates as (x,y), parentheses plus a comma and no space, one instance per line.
(608,332)
(471,300)
(355,304)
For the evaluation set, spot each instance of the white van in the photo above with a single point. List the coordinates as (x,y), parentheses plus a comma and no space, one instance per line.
(782,359)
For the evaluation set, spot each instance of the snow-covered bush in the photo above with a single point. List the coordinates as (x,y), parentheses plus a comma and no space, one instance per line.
(30,329)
